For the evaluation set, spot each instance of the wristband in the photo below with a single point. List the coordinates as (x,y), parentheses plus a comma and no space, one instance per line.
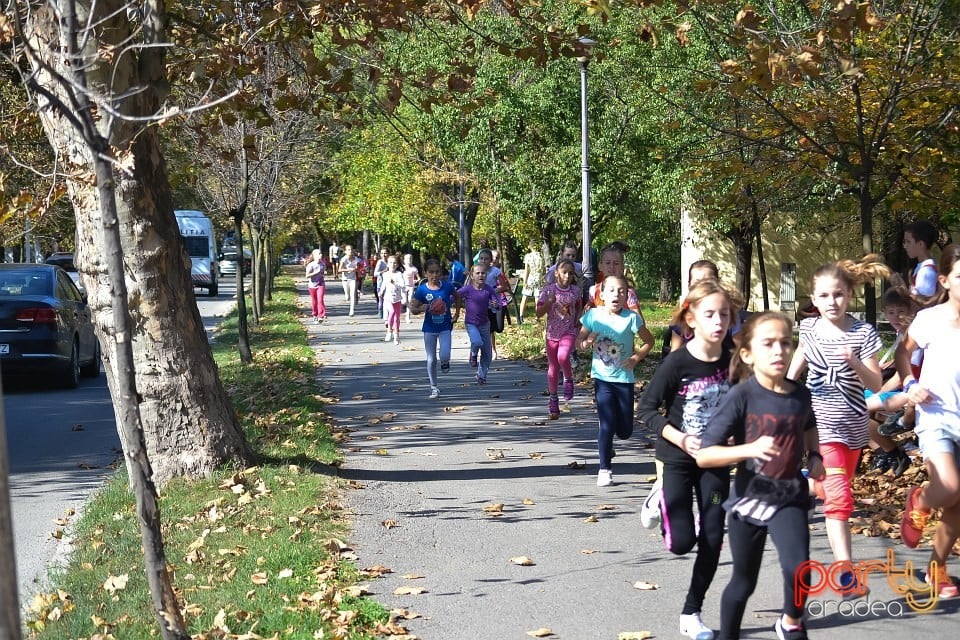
(909,384)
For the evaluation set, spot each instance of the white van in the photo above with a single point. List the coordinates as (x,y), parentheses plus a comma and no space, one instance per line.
(197,232)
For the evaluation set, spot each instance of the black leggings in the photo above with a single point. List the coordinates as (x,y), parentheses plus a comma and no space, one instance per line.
(790,535)
(681,482)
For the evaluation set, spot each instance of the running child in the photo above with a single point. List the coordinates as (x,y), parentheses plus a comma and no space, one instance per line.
(434,298)
(391,296)
(497,281)
(479,298)
(610,332)
(840,354)
(560,302)
(688,387)
(936,395)
(349,264)
(411,277)
(771,422)
(316,285)
(675,336)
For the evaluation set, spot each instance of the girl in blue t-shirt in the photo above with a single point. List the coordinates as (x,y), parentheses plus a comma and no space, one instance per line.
(434,298)
(610,332)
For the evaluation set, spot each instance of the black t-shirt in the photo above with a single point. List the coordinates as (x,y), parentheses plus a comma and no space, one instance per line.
(689,391)
(750,411)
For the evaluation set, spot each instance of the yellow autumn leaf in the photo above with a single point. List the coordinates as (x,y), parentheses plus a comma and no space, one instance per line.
(496,507)
(408,591)
(528,501)
(523,561)
(591,519)
(542,632)
(645,586)
(634,635)
(116,583)
(259,578)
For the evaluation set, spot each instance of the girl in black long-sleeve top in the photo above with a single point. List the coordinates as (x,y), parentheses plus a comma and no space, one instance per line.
(688,387)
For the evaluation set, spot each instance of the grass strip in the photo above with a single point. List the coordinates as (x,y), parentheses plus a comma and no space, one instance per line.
(254,553)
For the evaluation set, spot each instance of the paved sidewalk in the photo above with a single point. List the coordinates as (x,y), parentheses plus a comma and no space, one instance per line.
(425,472)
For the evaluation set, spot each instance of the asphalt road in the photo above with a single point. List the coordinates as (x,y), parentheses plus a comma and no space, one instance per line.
(62,444)
(423,477)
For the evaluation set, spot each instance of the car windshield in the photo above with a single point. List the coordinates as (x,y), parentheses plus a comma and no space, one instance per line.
(24,283)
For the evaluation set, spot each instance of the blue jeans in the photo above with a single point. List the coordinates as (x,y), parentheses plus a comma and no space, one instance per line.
(430,340)
(615,415)
(480,341)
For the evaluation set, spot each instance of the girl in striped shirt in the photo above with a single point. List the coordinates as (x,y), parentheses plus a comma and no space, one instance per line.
(839,353)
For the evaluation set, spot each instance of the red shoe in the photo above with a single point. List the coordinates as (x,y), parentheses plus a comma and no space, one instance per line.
(914,520)
(946,587)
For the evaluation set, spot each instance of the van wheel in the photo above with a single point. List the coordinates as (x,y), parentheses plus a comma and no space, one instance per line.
(214,289)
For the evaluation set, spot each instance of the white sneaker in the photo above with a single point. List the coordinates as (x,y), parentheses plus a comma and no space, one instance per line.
(434,393)
(650,511)
(396,340)
(692,626)
(388,337)
(604,478)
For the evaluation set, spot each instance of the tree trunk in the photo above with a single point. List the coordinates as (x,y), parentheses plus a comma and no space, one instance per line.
(742,238)
(757,229)
(254,277)
(243,330)
(866,230)
(189,425)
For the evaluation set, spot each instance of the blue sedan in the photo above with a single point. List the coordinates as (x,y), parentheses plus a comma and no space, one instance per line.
(46,325)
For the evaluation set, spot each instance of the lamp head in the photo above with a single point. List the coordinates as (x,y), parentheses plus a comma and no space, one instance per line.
(587,45)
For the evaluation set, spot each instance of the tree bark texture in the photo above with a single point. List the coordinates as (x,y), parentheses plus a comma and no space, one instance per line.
(189,423)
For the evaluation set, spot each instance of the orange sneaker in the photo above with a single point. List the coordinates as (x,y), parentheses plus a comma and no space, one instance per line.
(913,521)
(946,587)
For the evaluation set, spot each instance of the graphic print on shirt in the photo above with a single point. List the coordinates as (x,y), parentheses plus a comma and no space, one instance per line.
(609,352)
(701,397)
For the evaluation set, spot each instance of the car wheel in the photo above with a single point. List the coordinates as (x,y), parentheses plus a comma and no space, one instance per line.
(71,375)
(92,369)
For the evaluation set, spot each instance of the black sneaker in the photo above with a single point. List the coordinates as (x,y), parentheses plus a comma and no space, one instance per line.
(445,367)
(892,425)
(791,634)
(899,462)
(881,461)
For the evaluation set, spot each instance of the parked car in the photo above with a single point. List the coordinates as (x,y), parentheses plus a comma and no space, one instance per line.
(227,262)
(64,260)
(46,325)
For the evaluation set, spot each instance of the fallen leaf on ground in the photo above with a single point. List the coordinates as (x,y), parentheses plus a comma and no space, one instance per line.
(499,423)
(645,586)
(576,464)
(406,614)
(412,576)
(381,452)
(408,591)
(606,507)
(496,507)
(528,501)
(116,583)
(634,635)
(453,409)
(357,590)
(523,561)
(588,552)
(542,632)
(285,573)
(591,519)
(357,397)
(259,578)
(390,524)
(651,478)
(536,455)
(495,455)
(376,570)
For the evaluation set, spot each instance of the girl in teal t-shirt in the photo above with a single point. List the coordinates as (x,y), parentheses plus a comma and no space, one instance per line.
(610,332)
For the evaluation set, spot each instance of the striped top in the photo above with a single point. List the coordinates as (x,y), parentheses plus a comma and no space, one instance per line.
(836,390)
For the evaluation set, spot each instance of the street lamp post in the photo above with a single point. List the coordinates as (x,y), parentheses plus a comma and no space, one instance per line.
(587,44)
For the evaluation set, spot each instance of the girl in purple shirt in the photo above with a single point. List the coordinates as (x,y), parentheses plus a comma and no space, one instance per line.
(479,297)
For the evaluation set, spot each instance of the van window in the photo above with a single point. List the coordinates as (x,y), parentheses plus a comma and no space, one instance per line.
(197,246)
